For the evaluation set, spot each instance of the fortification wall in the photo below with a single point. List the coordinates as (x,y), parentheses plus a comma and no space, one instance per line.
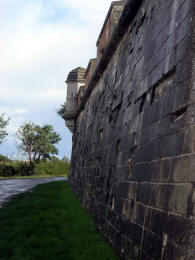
(133,158)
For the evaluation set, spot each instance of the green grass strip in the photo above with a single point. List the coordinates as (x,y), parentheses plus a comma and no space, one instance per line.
(49,223)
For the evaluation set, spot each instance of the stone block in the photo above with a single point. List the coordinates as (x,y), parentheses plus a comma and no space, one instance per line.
(163,170)
(152,245)
(131,251)
(180,169)
(131,230)
(160,196)
(143,171)
(181,196)
(181,97)
(132,190)
(143,192)
(172,251)
(177,229)
(118,204)
(191,169)
(142,255)
(156,221)
(123,189)
(122,173)
(183,70)
(173,198)
(122,158)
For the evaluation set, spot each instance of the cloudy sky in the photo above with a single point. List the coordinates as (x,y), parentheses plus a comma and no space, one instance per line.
(41,41)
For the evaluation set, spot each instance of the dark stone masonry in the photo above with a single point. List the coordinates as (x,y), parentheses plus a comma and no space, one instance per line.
(133,156)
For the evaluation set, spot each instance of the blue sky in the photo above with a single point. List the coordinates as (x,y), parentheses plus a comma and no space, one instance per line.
(41,41)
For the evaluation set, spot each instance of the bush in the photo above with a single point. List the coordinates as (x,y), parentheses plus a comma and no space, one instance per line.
(53,168)
(25,169)
(14,168)
(4,158)
(7,170)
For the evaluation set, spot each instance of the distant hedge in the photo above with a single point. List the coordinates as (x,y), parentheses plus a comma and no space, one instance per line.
(4,158)
(51,168)
(10,169)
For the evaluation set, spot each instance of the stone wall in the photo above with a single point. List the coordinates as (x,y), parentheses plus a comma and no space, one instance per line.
(133,158)
(108,26)
(89,72)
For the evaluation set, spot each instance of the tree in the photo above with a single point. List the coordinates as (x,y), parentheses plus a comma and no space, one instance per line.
(3,124)
(61,111)
(45,140)
(38,142)
(4,158)
(65,159)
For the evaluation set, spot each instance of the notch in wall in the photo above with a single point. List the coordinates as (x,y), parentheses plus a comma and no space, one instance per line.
(129,99)
(101,133)
(112,93)
(114,114)
(143,99)
(179,114)
(117,146)
(160,87)
(152,12)
(140,22)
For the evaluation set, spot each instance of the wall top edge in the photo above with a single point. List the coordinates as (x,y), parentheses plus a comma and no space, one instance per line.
(94,60)
(130,10)
(113,4)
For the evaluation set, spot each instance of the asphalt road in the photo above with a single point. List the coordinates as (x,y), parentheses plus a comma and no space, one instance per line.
(11,187)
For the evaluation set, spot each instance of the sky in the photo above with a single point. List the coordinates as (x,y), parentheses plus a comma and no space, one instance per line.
(41,42)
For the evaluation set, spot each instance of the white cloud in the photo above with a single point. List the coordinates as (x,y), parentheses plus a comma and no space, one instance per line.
(41,41)
(20,111)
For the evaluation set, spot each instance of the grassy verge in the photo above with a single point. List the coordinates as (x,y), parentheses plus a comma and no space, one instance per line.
(49,224)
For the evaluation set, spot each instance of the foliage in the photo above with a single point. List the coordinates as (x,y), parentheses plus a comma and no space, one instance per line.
(61,111)
(44,168)
(37,142)
(15,168)
(54,159)
(7,170)
(65,159)
(52,168)
(50,223)
(4,158)
(3,124)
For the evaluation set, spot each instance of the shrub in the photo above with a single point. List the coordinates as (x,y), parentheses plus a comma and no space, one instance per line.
(17,168)
(53,168)
(4,158)
(7,170)
(25,169)
(14,168)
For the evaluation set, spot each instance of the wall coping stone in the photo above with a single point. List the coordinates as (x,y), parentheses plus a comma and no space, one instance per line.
(113,4)
(128,14)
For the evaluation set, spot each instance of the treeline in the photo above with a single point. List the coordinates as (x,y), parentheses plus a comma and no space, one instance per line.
(37,144)
(52,167)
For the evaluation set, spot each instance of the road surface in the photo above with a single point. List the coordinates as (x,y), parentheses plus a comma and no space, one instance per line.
(11,187)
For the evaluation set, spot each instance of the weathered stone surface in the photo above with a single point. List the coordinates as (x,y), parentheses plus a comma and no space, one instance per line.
(133,158)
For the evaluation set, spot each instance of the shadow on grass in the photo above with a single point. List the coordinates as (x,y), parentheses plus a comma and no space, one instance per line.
(49,223)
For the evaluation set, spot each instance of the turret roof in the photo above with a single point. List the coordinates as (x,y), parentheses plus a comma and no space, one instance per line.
(76,75)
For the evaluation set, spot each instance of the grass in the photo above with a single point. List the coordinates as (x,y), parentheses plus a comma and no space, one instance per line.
(49,223)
